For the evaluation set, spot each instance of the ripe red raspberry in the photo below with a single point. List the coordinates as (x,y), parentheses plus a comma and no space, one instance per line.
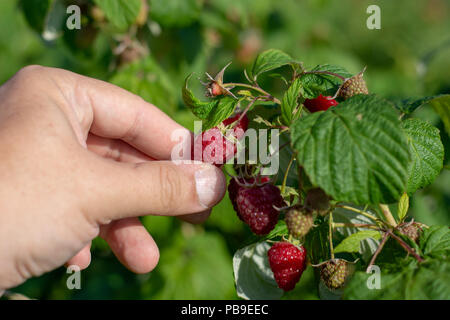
(254,204)
(287,263)
(321,103)
(212,146)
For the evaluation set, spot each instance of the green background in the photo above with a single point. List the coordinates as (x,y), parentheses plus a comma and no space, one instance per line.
(408,57)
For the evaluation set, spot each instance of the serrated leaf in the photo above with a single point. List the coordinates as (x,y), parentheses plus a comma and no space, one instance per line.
(221,111)
(314,84)
(435,241)
(199,108)
(409,105)
(121,13)
(356,152)
(352,242)
(403,206)
(442,107)
(279,230)
(427,153)
(252,274)
(269,60)
(289,102)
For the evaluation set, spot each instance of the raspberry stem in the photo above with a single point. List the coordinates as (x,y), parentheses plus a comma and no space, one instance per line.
(405,246)
(248,86)
(364,213)
(330,234)
(286,173)
(377,252)
(355,225)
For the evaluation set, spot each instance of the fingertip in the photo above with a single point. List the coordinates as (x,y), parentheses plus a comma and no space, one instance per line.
(210,185)
(82,259)
(133,246)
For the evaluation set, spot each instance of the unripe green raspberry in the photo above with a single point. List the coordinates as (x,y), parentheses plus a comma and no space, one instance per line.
(299,221)
(353,86)
(412,230)
(334,273)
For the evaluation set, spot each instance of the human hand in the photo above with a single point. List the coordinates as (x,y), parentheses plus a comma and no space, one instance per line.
(76,162)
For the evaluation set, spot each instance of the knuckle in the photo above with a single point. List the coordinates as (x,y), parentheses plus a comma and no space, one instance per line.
(31,72)
(170,187)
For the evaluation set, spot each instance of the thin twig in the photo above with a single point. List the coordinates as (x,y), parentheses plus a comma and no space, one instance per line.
(406,246)
(375,255)
(330,234)
(366,214)
(283,186)
(248,86)
(355,225)
(246,109)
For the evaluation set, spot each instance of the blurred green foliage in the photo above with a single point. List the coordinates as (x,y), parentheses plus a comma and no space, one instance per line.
(152,54)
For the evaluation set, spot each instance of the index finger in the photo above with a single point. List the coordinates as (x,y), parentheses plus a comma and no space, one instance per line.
(111,112)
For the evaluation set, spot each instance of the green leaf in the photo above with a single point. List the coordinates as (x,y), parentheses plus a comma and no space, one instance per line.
(279,230)
(429,280)
(121,13)
(269,60)
(221,111)
(409,105)
(435,241)
(403,206)
(314,84)
(290,102)
(356,152)
(175,13)
(352,242)
(252,274)
(427,153)
(367,246)
(442,107)
(199,108)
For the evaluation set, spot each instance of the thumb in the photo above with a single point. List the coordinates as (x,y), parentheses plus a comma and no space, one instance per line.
(156,187)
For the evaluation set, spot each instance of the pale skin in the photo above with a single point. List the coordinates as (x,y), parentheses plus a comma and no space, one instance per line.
(80,158)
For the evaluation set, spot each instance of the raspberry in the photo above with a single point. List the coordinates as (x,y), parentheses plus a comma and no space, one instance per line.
(299,222)
(254,204)
(321,103)
(353,86)
(213,147)
(214,89)
(412,230)
(334,273)
(317,200)
(287,263)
